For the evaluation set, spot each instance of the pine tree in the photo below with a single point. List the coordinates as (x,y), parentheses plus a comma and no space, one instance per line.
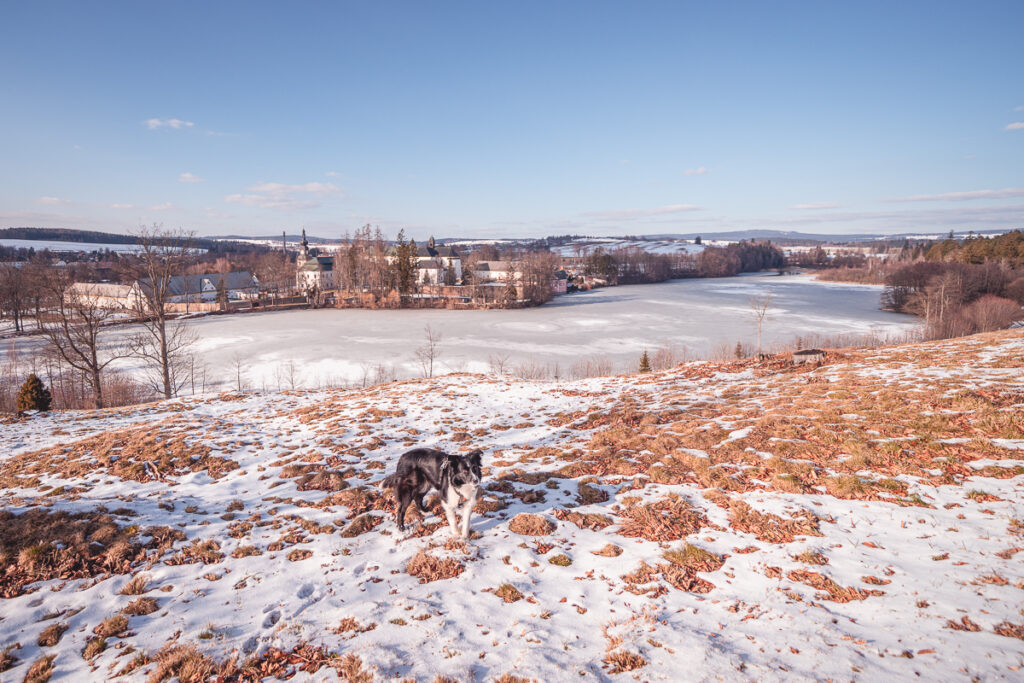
(33,395)
(645,362)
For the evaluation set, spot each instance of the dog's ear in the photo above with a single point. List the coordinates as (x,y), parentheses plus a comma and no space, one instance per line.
(475,457)
(448,462)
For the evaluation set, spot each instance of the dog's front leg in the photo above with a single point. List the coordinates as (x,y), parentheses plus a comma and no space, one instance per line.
(449,506)
(467,510)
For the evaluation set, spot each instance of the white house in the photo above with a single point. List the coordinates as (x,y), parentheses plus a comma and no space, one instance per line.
(313,271)
(433,264)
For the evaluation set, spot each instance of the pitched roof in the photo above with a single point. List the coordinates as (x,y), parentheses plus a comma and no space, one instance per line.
(180,285)
(443,251)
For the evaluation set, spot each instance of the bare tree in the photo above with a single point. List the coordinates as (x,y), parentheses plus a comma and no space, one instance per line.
(237,363)
(759,305)
(428,352)
(74,329)
(498,362)
(164,345)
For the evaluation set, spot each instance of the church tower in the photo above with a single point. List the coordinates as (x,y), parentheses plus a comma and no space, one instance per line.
(305,246)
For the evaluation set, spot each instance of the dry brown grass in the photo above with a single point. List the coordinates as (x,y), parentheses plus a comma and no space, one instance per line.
(965,624)
(1010,630)
(141,607)
(427,567)
(811,557)
(112,626)
(138,585)
(7,658)
(360,525)
(508,592)
(560,560)
(41,670)
(831,590)
(299,554)
(324,480)
(771,528)
(694,558)
(610,550)
(140,453)
(207,552)
(526,524)
(50,635)
(39,545)
(621,661)
(93,647)
(584,520)
(185,662)
(668,519)
(245,551)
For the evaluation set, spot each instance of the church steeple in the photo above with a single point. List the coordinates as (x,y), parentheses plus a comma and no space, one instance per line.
(430,242)
(304,244)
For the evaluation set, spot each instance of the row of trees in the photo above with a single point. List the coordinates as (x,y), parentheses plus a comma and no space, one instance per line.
(956,299)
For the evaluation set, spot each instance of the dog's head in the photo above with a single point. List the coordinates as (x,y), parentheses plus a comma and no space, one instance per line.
(465,469)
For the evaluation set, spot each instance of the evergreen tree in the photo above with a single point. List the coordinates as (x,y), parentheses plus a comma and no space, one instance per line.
(645,362)
(33,395)
(510,297)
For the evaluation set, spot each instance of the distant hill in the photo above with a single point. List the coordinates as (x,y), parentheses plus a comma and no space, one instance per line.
(100,238)
(66,235)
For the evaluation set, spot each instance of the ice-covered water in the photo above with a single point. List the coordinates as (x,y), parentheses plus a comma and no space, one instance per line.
(331,346)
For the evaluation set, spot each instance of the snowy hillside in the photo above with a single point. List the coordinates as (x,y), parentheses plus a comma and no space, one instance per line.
(861,520)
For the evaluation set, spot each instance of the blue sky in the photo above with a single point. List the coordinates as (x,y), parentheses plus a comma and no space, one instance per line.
(518,118)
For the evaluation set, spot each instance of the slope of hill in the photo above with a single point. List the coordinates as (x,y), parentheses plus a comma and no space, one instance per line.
(861,519)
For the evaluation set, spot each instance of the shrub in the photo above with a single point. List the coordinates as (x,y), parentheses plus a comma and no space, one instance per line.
(51,635)
(33,395)
(531,525)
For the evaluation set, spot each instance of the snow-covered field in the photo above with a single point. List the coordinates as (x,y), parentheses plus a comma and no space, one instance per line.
(58,245)
(859,520)
(584,247)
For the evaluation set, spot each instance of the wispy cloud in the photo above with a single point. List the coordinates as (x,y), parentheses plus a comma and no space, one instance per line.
(53,201)
(189,178)
(176,124)
(695,171)
(332,174)
(283,196)
(815,205)
(1020,108)
(633,214)
(122,206)
(1016,125)
(162,207)
(963,196)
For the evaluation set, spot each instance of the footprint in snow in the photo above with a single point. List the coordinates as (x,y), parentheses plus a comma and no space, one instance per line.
(272,619)
(306,591)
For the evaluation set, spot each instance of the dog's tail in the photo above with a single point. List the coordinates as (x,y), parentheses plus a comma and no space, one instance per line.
(387,482)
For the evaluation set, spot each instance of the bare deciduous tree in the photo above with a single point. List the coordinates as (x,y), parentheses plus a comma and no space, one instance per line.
(74,329)
(759,305)
(427,353)
(498,363)
(163,344)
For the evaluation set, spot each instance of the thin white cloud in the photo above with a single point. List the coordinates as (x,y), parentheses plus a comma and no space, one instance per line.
(963,196)
(1016,125)
(176,124)
(815,205)
(283,196)
(122,206)
(161,207)
(633,214)
(189,178)
(695,171)
(1020,108)
(53,201)
(332,174)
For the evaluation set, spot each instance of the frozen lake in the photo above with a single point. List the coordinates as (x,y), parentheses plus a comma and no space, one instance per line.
(703,316)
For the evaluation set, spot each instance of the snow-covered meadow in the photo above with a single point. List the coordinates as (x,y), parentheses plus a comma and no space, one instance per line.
(859,520)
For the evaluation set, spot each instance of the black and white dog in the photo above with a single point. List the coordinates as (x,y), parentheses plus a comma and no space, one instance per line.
(454,476)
